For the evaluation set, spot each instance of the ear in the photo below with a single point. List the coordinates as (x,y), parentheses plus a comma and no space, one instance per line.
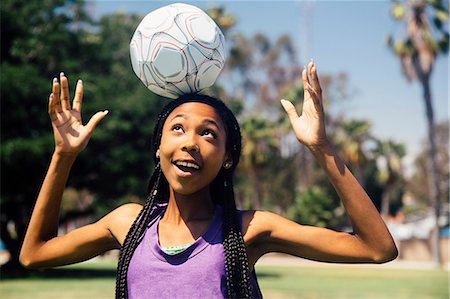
(157,154)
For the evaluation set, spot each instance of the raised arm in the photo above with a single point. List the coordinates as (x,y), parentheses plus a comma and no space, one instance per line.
(371,240)
(41,247)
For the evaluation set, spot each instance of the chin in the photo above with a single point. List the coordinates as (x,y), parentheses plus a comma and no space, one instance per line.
(187,189)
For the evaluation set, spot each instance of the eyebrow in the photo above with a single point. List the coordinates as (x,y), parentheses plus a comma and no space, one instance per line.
(205,121)
(212,122)
(182,115)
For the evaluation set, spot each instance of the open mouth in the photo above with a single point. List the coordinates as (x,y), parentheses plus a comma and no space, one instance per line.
(186,167)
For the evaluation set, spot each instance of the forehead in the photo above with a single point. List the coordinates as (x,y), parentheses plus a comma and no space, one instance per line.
(196,111)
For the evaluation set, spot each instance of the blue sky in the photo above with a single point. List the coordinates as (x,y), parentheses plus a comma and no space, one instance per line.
(341,36)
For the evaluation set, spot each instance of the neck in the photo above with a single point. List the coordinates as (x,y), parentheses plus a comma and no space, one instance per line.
(186,208)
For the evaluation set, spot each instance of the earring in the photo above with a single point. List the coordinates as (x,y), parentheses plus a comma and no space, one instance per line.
(157,154)
(227,164)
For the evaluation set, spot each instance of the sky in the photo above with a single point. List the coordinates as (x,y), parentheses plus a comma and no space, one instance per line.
(340,36)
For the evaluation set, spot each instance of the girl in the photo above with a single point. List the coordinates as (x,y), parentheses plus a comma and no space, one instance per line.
(188,240)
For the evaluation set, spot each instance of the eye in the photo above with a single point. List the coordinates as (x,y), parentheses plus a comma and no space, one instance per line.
(209,133)
(177,128)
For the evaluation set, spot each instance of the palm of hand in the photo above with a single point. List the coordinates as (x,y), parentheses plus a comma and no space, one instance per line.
(70,135)
(309,127)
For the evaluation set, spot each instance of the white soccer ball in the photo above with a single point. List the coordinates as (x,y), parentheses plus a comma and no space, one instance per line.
(177,49)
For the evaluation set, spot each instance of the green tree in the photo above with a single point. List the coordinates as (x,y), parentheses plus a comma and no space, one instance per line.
(351,137)
(419,184)
(313,207)
(39,41)
(121,145)
(390,176)
(259,146)
(426,38)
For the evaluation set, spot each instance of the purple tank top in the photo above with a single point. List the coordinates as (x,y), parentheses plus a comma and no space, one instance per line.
(196,272)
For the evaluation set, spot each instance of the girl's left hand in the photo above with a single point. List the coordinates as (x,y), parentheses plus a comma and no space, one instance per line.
(309,127)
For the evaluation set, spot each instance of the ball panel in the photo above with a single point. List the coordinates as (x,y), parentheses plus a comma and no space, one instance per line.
(163,91)
(135,60)
(158,20)
(147,75)
(184,8)
(195,57)
(207,74)
(202,30)
(164,37)
(220,50)
(169,62)
(176,32)
(180,88)
(218,57)
(190,81)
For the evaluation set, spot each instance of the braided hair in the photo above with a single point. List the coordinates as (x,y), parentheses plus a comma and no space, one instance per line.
(221,189)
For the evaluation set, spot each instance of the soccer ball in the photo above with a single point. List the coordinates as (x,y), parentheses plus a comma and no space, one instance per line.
(177,49)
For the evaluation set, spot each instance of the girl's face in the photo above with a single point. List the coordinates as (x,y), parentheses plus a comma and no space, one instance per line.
(193,147)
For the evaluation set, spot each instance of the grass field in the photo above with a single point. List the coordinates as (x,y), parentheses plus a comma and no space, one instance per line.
(352,283)
(96,280)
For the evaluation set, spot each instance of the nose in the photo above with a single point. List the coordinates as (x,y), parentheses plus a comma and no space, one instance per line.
(190,144)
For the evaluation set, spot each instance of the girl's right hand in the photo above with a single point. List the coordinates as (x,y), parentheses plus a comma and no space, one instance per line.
(71,136)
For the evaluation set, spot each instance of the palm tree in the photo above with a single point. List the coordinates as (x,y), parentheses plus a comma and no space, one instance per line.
(390,154)
(350,139)
(259,144)
(417,54)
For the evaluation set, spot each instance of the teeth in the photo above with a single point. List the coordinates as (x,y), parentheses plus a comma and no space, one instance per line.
(187,164)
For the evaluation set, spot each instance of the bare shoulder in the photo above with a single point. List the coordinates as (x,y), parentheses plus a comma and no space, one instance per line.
(119,220)
(126,210)
(264,228)
(258,228)
(258,225)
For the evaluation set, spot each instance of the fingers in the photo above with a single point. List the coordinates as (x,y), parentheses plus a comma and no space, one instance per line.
(290,110)
(61,99)
(65,102)
(305,78)
(51,107)
(56,96)
(78,99)
(95,120)
(314,79)
(311,85)
(310,78)
(306,75)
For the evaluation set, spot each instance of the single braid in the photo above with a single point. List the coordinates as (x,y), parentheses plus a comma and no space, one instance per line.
(135,233)
(236,259)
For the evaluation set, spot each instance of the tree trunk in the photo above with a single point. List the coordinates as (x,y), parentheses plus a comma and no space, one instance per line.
(433,176)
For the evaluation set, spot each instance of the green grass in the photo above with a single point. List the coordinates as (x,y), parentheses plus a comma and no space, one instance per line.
(96,280)
(352,283)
